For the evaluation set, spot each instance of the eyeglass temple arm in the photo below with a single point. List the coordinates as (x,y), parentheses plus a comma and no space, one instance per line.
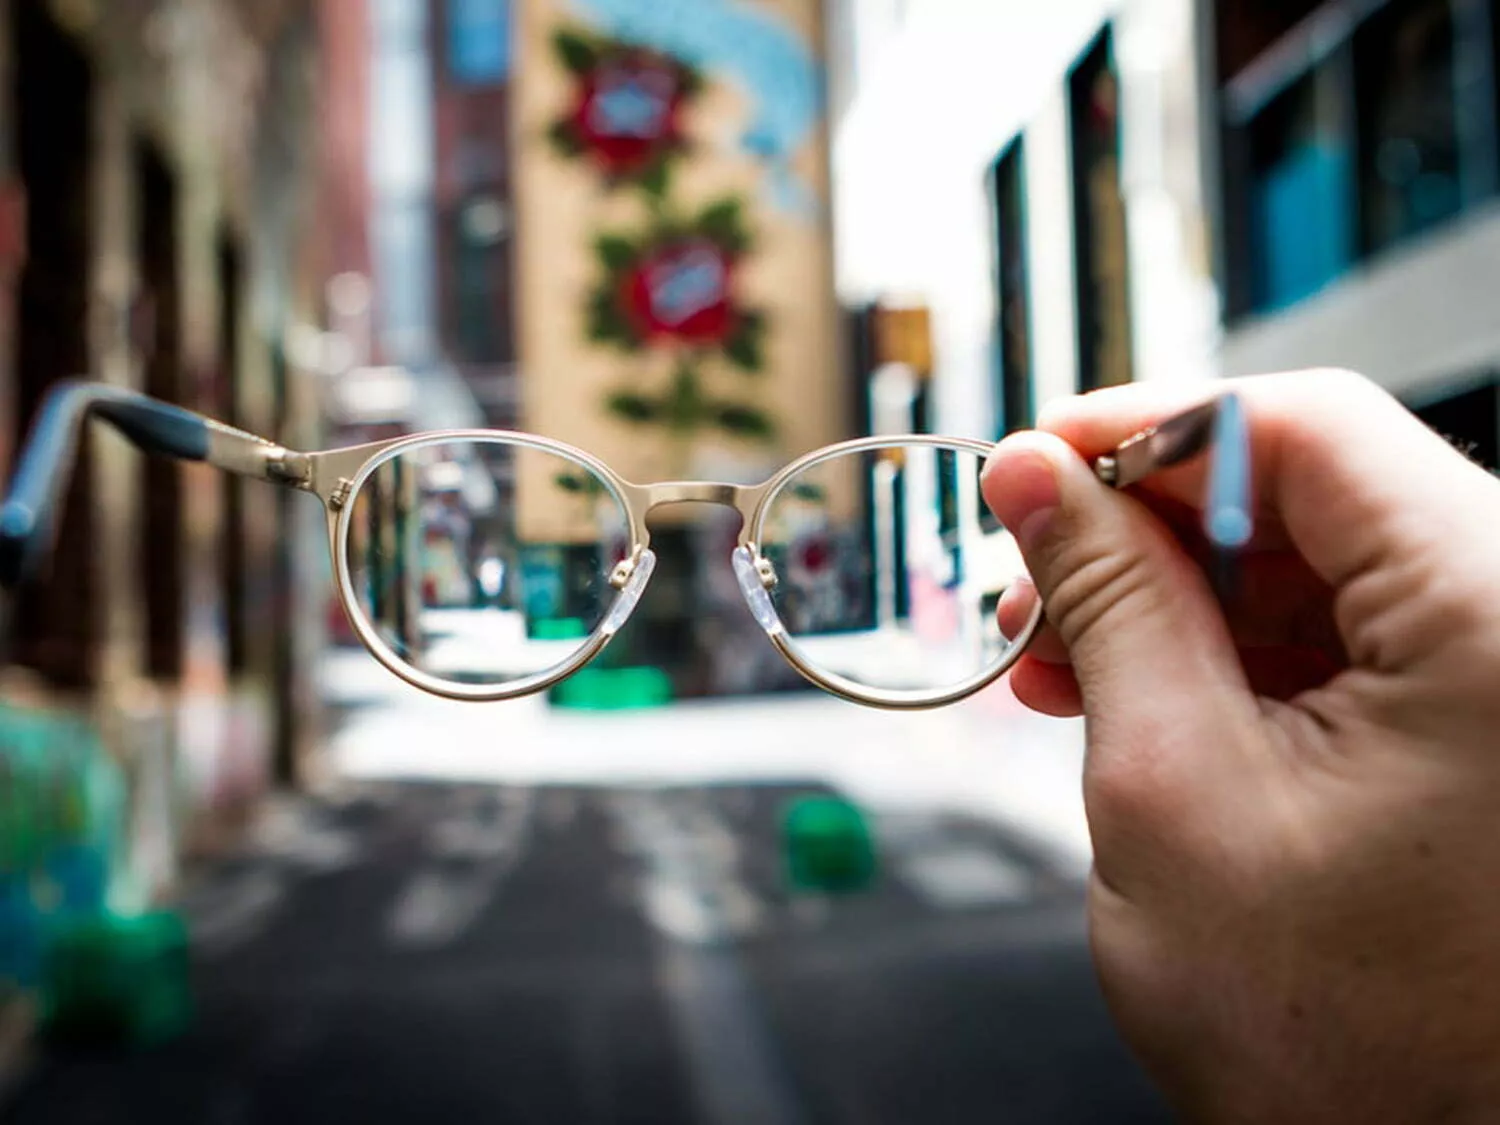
(45,465)
(1218,427)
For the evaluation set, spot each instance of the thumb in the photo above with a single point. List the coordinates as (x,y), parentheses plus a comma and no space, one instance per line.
(1147,640)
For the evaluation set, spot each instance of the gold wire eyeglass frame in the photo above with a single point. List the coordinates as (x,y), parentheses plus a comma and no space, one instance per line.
(336,478)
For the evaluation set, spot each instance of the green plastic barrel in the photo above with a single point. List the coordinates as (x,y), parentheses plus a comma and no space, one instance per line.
(613,689)
(558,629)
(116,980)
(828,846)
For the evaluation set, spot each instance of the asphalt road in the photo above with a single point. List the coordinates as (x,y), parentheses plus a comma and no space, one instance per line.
(465,953)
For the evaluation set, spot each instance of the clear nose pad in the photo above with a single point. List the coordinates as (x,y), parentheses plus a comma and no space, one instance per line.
(630,593)
(754,589)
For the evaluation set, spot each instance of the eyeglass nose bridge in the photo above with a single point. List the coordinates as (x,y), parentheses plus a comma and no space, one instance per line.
(643,499)
(755,575)
(747,500)
(648,497)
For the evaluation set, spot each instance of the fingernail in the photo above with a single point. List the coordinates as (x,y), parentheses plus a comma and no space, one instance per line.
(1020,486)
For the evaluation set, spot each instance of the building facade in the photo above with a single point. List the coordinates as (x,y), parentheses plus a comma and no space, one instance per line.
(1168,189)
(156,197)
(473,208)
(1034,178)
(1358,163)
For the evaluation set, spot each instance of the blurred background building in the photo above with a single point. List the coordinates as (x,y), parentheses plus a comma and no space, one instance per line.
(1356,160)
(1170,190)
(158,190)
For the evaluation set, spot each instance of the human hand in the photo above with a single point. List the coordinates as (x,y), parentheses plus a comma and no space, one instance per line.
(1294,800)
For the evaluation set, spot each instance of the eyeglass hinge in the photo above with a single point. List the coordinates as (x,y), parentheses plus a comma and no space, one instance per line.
(286,467)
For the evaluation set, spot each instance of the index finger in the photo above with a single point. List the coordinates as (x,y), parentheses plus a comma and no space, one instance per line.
(1335,460)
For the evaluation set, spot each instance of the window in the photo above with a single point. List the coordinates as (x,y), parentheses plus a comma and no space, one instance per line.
(1247,28)
(1348,132)
(161,553)
(58,627)
(478,41)
(1468,416)
(481,327)
(1301,223)
(1102,260)
(233,548)
(1409,167)
(1015,405)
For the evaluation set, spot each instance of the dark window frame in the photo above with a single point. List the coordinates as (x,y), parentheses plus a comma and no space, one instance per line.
(161,550)
(1015,356)
(1091,300)
(58,628)
(1465,412)
(234,558)
(492,303)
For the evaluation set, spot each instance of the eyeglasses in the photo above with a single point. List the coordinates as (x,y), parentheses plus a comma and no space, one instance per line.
(487,565)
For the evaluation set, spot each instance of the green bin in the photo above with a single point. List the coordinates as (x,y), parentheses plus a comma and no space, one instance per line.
(113,979)
(613,689)
(558,629)
(828,846)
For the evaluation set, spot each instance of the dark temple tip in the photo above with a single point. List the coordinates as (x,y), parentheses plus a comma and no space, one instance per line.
(17,524)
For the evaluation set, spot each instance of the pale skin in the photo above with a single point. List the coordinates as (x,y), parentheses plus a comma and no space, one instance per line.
(1294,800)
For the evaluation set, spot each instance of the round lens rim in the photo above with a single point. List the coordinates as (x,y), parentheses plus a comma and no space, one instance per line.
(852,691)
(588,650)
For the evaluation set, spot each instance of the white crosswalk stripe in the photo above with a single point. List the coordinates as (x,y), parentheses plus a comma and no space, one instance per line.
(439,902)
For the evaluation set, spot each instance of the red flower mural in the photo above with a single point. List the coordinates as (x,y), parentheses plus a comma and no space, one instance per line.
(670,287)
(627,110)
(674,286)
(680,291)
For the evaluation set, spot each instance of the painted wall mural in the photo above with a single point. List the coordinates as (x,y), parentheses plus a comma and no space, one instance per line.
(677,309)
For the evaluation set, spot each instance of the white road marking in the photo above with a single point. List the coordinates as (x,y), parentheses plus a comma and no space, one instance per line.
(439,903)
(288,830)
(966,877)
(234,912)
(692,894)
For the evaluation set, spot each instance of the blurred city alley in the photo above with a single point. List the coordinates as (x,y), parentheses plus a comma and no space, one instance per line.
(399,747)
(589,918)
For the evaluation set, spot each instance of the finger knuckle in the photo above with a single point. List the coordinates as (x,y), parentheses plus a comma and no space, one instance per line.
(1096,590)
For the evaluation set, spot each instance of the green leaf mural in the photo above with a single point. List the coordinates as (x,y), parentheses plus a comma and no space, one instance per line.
(683,408)
(575,51)
(615,252)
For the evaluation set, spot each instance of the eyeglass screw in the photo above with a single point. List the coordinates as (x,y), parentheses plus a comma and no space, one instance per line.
(622,574)
(767,573)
